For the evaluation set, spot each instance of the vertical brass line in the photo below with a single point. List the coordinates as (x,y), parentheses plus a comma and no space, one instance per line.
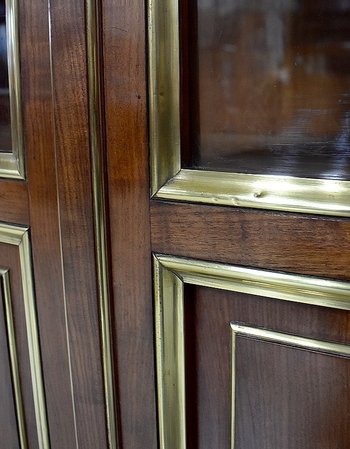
(233,387)
(33,342)
(19,237)
(12,159)
(12,25)
(14,360)
(170,352)
(99,206)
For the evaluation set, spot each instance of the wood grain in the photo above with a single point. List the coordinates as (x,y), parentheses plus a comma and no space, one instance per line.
(290,398)
(9,432)
(292,411)
(9,259)
(286,242)
(126,139)
(44,219)
(14,202)
(72,148)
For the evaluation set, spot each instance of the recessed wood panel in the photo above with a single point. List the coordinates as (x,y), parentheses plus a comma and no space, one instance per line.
(208,313)
(8,422)
(290,398)
(15,256)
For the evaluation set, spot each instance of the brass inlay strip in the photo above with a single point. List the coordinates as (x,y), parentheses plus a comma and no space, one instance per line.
(164,90)
(18,236)
(99,205)
(287,287)
(10,330)
(285,193)
(276,337)
(171,273)
(12,163)
(170,349)
(169,181)
(292,340)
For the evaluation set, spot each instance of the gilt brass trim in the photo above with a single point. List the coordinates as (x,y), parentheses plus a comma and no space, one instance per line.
(164,91)
(169,181)
(99,206)
(19,237)
(170,350)
(170,274)
(276,337)
(12,163)
(11,338)
(287,287)
(285,193)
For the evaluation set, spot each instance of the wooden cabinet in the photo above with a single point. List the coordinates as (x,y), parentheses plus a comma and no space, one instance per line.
(174,233)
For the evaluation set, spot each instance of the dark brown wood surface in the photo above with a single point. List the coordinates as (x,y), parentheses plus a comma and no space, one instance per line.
(56,203)
(286,242)
(126,137)
(74,189)
(44,221)
(8,426)
(299,411)
(290,398)
(9,259)
(14,202)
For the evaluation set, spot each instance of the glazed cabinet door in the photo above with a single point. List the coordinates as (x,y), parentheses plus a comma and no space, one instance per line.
(240,128)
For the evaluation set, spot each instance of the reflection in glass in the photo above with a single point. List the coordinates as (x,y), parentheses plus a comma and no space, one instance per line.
(5,116)
(269,87)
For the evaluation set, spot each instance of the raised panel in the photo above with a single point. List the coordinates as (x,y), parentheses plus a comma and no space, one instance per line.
(11,409)
(288,392)
(23,338)
(195,303)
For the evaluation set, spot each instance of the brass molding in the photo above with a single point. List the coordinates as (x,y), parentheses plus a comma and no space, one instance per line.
(164,91)
(18,236)
(285,193)
(12,163)
(169,181)
(12,348)
(99,206)
(170,275)
(276,337)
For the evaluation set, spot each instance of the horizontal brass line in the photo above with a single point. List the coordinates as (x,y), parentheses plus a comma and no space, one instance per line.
(285,193)
(288,287)
(293,340)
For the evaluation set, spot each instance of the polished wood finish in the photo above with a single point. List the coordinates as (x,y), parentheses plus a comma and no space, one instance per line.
(44,221)
(288,389)
(285,242)
(56,203)
(9,431)
(14,202)
(304,395)
(9,259)
(72,145)
(127,153)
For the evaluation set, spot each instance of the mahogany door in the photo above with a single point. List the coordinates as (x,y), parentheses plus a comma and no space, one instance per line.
(174,224)
(245,111)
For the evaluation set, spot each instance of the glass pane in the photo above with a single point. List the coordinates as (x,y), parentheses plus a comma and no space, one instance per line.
(5,117)
(268,85)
